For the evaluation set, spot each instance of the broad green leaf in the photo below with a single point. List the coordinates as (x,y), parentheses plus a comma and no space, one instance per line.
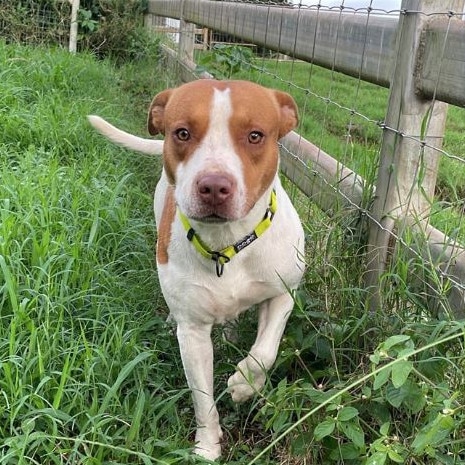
(395,396)
(347,413)
(281,421)
(394,340)
(353,432)
(320,396)
(325,428)
(381,378)
(400,371)
(395,456)
(378,458)
(384,429)
(407,351)
(408,394)
(414,399)
(433,433)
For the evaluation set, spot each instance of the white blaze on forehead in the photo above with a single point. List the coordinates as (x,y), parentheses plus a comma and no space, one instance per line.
(219,117)
(215,154)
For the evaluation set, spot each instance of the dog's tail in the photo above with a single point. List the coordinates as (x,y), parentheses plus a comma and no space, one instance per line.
(129,141)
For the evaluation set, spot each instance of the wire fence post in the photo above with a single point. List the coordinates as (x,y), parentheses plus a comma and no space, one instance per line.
(413,128)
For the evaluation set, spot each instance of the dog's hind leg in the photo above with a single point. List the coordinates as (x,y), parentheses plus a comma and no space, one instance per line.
(251,372)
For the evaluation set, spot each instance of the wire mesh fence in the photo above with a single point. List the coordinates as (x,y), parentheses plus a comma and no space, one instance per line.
(36,22)
(399,173)
(381,155)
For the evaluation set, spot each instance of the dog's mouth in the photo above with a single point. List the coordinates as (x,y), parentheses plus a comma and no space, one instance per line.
(211,219)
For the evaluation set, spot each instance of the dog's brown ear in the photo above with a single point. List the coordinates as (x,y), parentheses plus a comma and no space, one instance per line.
(156,116)
(289,112)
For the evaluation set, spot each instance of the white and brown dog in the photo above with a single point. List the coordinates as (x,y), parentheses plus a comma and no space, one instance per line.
(228,234)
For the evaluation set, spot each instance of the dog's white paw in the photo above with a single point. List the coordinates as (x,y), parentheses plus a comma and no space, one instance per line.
(208,443)
(248,379)
(209,452)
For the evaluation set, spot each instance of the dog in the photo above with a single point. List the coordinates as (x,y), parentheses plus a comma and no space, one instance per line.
(228,236)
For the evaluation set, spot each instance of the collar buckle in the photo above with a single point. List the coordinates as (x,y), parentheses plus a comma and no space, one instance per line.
(220,260)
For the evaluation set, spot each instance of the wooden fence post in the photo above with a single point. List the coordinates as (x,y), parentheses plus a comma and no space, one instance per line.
(186,41)
(408,168)
(73,32)
(186,45)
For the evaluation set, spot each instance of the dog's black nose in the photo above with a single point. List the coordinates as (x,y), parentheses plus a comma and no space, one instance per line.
(215,189)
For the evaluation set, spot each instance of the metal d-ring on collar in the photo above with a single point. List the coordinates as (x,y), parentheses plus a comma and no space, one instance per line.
(223,256)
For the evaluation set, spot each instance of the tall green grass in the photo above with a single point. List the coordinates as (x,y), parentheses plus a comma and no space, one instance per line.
(84,375)
(90,371)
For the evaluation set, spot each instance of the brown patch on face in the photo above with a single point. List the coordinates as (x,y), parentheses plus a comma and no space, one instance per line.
(156,116)
(260,118)
(164,228)
(289,116)
(182,115)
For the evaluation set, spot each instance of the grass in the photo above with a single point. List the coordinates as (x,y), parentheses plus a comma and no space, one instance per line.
(80,368)
(89,369)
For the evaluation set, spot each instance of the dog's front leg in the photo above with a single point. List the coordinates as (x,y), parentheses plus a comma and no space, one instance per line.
(251,372)
(197,358)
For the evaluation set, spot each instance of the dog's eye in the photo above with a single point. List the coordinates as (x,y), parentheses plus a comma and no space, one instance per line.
(182,134)
(255,137)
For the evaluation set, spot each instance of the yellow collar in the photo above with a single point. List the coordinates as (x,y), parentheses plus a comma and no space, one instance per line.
(224,255)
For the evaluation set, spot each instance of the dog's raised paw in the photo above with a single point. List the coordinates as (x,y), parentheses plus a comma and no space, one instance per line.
(248,379)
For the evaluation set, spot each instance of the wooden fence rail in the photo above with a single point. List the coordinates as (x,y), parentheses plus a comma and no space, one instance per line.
(351,44)
(421,57)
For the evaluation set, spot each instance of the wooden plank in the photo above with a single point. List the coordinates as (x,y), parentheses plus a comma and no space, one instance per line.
(186,41)
(441,60)
(356,45)
(241,44)
(349,43)
(440,69)
(166,29)
(73,32)
(323,179)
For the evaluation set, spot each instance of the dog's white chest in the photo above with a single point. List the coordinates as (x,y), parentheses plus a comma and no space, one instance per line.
(199,295)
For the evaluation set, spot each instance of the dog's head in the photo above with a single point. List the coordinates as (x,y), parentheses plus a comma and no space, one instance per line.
(221,150)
